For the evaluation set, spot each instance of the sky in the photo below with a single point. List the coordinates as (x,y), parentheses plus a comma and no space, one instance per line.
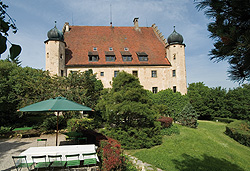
(34,18)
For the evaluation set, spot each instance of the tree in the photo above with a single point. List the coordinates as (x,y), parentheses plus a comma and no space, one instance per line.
(230,28)
(188,116)
(168,103)
(198,95)
(127,104)
(126,108)
(238,102)
(6,22)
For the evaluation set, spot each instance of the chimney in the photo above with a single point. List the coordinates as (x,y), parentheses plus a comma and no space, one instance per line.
(136,25)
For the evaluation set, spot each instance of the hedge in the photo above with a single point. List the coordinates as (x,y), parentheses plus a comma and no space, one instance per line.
(239,131)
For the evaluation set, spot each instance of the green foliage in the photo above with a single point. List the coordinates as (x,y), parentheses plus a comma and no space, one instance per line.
(4,130)
(230,30)
(208,102)
(79,125)
(136,138)
(168,103)
(50,123)
(126,104)
(6,22)
(240,131)
(188,116)
(170,131)
(81,87)
(238,102)
(20,87)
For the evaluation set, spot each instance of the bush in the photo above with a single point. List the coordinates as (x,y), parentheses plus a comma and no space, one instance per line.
(225,120)
(136,138)
(188,117)
(239,131)
(50,123)
(169,131)
(111,155)
(5,131)
(79,125)
(166,122)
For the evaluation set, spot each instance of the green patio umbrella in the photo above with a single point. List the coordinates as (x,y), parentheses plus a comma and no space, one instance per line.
(58,104)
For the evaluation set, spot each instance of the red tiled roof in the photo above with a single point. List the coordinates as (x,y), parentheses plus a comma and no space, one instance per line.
(81,40)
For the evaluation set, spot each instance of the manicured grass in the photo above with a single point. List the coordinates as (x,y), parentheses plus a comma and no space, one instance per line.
(206,148)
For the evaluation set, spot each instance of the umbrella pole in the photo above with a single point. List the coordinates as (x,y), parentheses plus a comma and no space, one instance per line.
(57,128)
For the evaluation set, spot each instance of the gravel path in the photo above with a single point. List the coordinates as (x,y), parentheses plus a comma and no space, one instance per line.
(14,146)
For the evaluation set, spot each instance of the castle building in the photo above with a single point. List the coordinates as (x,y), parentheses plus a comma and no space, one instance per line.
(159,63)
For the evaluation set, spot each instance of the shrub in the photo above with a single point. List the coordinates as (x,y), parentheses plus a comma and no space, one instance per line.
(188,117)
(225,120)
(111,155)
(171,130)
(166,122)
(239,131)
(136,138)
(79,125)
(5,131)
(50,123)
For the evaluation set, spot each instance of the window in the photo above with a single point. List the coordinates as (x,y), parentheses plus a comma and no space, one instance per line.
(142,56)
(61,56)
(135,73)
(127,58)
(110,49)
(73,72)
(174,56)
(47,54)
(154,90)
(94,48)
(125,49)
(174,89)
(174,73)
(101,73)
(61,73)
(115,73)
(93,58)
(154,74)
(110,58)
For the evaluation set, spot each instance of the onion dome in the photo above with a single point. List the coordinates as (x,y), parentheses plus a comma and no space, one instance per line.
(175,38)
(55,34)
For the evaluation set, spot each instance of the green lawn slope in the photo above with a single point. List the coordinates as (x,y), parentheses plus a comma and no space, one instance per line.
(206,148)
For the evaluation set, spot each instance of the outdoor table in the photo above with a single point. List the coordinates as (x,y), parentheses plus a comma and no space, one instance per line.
(59,150)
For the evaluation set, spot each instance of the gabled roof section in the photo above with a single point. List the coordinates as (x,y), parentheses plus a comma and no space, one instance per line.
(80,40)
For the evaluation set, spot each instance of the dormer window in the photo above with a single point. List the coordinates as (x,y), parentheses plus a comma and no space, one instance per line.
(126,56)
(93,56)
(142,56)
(94,48)
(110,49)
(110,56)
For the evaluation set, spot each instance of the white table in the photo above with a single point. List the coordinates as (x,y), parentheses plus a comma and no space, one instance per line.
(60,150)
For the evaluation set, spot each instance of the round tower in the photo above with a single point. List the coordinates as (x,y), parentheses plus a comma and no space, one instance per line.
(55,52)
(175,51)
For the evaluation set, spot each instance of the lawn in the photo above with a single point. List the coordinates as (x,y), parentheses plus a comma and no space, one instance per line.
(204,148)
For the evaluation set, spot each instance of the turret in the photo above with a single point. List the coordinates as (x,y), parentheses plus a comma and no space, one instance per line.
(55,52)
(175,51)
